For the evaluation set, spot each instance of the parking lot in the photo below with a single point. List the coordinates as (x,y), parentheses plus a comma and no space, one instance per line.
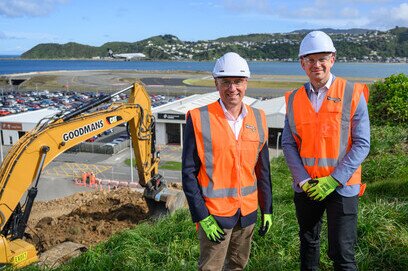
(13,102)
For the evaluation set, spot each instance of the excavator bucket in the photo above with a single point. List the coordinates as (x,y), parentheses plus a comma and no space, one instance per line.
(163,199)
(60,254)
(142,132)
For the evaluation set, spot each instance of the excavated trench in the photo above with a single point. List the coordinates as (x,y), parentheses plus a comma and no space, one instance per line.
(85,218)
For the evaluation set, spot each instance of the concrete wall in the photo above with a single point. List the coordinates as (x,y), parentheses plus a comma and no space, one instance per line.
(9,137)
(96,147)
(161,136)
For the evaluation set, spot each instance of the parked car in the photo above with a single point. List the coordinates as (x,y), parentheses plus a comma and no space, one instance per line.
(4,113)
(118,140)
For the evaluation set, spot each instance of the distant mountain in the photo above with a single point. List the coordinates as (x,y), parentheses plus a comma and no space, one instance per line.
(55,50)
(352,45)
(352,31)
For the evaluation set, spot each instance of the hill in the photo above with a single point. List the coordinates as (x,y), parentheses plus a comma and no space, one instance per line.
(352,45)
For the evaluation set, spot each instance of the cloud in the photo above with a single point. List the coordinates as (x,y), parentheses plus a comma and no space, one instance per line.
(258,6)
(349,12)
(401,14)
(7,36)
(389,17)
(30,36)
(374,14)
(29,8)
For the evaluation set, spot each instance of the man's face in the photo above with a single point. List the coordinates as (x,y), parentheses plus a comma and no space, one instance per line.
(317,67)
(232,90)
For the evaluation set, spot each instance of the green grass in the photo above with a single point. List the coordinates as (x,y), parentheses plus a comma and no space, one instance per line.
(171,243)
(169,165)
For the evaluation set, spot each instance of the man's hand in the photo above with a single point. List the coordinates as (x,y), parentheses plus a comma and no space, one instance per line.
(307,185)
(265,225)
(212,230)
(323,187)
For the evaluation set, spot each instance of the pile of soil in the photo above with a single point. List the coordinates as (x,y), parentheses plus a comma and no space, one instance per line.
(86,218)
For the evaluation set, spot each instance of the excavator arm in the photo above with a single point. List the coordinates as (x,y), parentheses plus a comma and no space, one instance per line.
(36,149)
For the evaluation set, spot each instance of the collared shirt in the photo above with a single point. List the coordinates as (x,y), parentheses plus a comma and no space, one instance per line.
(360,134)
(235,124)
(317,96)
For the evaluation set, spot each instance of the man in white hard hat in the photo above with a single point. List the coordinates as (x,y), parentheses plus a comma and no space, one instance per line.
(225,170)
(325,139)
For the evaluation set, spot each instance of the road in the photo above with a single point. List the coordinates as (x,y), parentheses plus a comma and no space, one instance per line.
(57,179)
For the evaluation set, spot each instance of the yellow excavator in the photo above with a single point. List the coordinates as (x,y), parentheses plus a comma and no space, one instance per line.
(21,169)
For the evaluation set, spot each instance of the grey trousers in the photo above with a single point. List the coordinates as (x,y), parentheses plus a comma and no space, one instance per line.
(230,254)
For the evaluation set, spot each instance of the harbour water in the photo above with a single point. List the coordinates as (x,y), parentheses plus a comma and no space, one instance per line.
(367,70)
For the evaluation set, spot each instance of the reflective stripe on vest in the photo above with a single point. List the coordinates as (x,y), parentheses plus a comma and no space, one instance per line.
(345,126)
(261,133)
(209,191)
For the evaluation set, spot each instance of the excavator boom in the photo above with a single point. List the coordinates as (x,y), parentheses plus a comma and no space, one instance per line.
(36,149)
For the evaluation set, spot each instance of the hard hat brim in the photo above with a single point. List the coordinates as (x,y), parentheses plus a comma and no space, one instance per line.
(230,76)
(316,52)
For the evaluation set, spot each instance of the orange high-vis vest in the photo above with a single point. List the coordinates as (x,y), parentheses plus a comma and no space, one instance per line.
(227,173)
(324,137)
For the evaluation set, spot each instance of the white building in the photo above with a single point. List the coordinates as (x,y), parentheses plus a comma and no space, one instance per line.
(275,110)
(171,117)
(14,126)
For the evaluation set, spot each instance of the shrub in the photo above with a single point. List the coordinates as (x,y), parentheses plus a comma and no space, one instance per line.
(388,103)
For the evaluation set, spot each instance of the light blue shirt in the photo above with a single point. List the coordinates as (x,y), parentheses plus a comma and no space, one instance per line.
(360,134)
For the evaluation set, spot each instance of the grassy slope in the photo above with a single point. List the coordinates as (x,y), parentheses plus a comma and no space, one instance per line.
(171,243)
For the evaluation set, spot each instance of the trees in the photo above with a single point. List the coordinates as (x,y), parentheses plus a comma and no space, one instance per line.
(388,104)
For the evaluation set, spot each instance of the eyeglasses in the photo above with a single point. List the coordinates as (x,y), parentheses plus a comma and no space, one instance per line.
(237,82)
(322,60)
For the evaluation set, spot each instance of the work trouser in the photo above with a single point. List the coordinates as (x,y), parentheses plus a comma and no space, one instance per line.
(230,254)
(342,230)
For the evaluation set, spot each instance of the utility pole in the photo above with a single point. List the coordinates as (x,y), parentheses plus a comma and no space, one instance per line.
(1,145)
(131,161)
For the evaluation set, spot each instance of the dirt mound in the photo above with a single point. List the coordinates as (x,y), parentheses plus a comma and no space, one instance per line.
(85,218)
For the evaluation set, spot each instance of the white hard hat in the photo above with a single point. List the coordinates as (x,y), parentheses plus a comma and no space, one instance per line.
(231,65)
(316,42)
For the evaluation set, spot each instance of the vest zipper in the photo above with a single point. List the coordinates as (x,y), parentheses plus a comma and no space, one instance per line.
(239,153)
(317,147)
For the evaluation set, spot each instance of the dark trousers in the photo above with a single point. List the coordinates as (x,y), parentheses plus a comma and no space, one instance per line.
(342,230)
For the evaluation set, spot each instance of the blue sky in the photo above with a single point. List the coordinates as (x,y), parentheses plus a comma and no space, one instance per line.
(26,23)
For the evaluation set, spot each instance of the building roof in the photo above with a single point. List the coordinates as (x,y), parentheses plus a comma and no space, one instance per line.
(272,106)
(30,116)
(182,106)
(275,110)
